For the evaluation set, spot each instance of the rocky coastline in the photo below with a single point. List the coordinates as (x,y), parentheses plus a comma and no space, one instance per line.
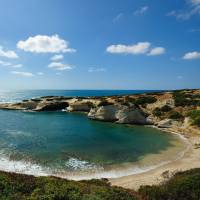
(171,111)
(166,110)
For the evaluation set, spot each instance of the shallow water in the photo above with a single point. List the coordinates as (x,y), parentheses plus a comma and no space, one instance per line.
(71,144)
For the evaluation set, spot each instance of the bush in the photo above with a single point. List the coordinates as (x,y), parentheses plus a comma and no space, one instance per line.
(195,116)
(145,100)
(105,103)
(166,108)
(184,99)
(175,115)
(25,187)
(183,186)
(157,112)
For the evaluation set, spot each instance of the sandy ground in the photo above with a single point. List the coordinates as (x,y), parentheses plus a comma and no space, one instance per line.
(191,159)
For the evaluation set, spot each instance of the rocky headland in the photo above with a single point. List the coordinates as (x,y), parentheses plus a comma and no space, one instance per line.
(177,111)
(173,111)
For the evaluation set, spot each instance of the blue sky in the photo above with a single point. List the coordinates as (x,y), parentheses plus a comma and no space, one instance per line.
(99,44)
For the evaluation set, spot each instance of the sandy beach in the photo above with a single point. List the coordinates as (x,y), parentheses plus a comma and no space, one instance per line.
(190,159)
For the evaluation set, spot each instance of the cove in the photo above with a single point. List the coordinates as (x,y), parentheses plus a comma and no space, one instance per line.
(70,143)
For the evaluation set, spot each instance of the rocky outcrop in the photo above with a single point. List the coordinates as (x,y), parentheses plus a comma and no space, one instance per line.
(164,109)
(26,105)
(79,106)
(166,123)
(131,116)
(103,113)
(119,114)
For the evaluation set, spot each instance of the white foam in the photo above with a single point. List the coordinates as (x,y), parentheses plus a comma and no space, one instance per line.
(22,167)
(77,164)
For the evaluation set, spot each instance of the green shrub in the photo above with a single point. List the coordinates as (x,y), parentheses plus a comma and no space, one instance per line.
(105,103)
(195,116)
(166,108)
(24,187)
(183,186)
(175,115)
(157,112)
(145,100)
(183,99)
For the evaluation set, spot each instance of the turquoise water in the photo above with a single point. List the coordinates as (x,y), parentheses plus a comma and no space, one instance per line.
(70,142)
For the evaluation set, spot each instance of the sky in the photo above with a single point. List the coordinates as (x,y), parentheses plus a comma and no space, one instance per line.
(99,44)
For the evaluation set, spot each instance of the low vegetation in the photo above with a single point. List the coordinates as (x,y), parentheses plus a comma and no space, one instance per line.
(175,115)
(24,187)
(183,186)
(184,98)
(195,116)
(161,111)
(104,103)
(143,100)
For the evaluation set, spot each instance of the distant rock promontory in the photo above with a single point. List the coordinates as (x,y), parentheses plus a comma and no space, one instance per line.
(173,110)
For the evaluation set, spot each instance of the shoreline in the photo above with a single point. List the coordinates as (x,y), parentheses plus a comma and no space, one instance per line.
(114,175)
(164,110)
(189,160)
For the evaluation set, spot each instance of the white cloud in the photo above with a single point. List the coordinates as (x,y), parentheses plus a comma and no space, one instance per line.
(192,9)
(3,63)
(141,11)
(40,73)
(118,17)
(57,57)
(156,51)
(139,48)
(8,64)
(192,55)
(7,54)
(93,69)
(45,44)
(27,74)
(60,66)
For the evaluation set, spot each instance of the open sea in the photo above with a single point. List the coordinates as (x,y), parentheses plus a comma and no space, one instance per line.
(70,145)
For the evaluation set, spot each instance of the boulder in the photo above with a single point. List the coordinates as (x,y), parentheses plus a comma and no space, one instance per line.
(131,116)
(103,113)
(119,113)
(166,123)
